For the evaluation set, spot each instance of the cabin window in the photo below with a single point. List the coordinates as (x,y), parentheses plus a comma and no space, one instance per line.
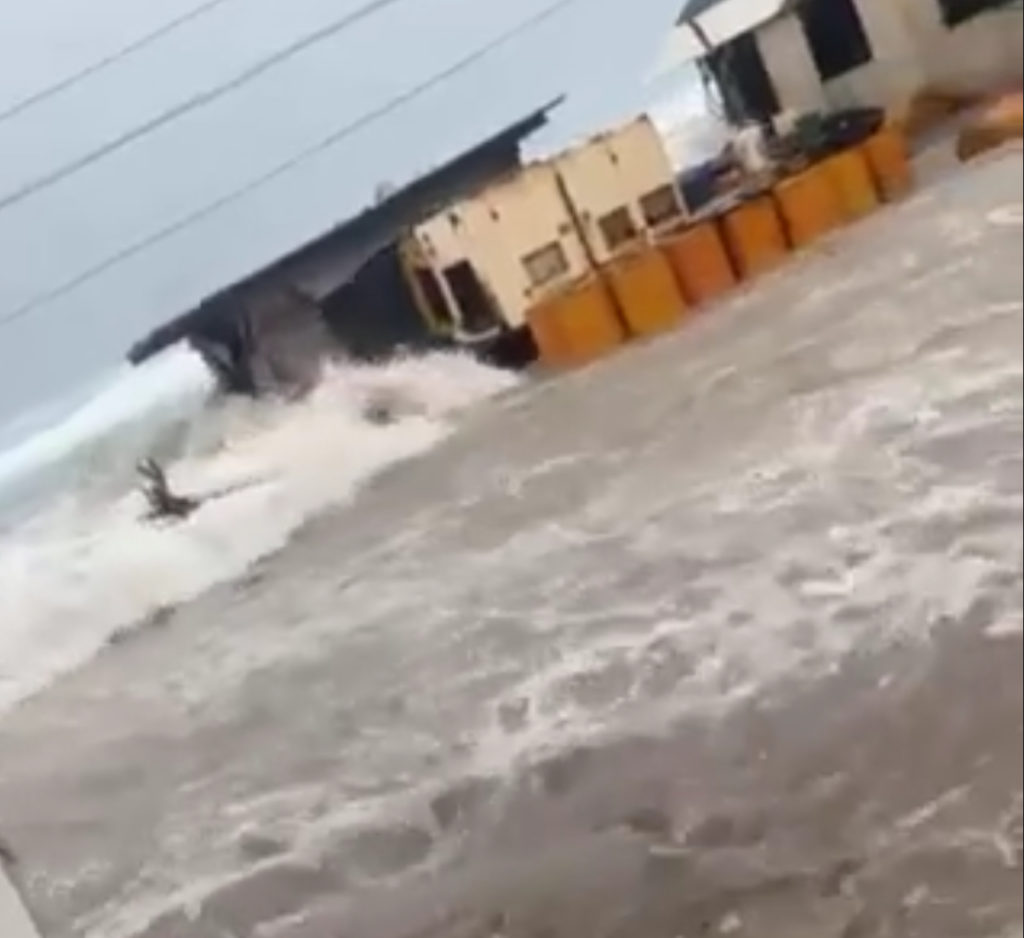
(546,264)
(835,35)
(617,228)
(477,310)
(955,12)
(747,90)
(433,297)
(659,206)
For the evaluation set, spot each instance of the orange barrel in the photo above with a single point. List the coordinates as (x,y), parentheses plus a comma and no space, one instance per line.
(754,236)
(647,291)
(998,124)
(850,175)
(700,261)
(576,325)
(889,161)
(809,205)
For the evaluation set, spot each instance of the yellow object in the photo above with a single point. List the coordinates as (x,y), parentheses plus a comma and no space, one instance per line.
(622,185)
(996,125)
(647,291)
(754,236)
(931,108)
(576,325)
(850,175)
(889,161)
(700,261)
(809,205)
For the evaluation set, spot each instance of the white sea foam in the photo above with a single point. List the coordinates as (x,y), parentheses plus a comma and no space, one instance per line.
(88,567)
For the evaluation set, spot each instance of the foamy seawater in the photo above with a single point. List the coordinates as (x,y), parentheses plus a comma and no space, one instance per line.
(719,636)
(87,568)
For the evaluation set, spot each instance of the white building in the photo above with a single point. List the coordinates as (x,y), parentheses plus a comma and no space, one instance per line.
(803,55)
(482,262)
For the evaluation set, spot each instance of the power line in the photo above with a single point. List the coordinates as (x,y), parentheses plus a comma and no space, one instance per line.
(63,84)
(200,100)
(192,218)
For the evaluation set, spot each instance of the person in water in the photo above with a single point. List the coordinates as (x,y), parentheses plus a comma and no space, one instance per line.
(163,503)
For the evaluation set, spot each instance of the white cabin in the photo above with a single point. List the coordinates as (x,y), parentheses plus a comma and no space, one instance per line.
(805,55)
(484,261)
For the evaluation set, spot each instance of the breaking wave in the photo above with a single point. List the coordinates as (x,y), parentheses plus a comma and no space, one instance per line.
(85,567)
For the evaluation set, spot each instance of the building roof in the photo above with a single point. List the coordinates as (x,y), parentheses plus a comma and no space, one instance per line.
(717,22)
(396,206)
(321,265)
(694,8)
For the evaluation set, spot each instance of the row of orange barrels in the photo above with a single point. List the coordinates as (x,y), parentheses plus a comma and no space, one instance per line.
(651,289)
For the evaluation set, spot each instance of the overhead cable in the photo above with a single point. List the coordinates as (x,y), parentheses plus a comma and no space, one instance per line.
(210,208)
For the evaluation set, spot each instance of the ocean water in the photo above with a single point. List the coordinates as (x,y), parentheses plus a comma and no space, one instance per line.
(79,566)
(719,636)
(91,433)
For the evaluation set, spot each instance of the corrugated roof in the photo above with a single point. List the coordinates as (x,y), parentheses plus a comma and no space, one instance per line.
(694,8)
(348,245)
(720,21)
(197,162)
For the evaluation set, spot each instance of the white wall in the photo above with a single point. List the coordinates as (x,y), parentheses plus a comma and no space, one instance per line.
(496,229)
(895,31)
(526,211)
(912,50)
(615,170)
(979,54)
(786,52)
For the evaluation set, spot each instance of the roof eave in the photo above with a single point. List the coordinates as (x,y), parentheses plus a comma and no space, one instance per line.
(174,330)
(719,24)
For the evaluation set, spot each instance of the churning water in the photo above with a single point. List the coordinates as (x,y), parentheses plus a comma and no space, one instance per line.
(83,566)
(721,636)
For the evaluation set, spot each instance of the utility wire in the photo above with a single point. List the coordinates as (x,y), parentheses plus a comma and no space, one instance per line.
(197,101)
(199,214)
(63,84)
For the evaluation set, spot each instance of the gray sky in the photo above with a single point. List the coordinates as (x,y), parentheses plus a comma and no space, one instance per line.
(597,51)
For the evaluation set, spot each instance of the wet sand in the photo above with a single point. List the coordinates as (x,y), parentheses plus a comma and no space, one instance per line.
(720,637)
